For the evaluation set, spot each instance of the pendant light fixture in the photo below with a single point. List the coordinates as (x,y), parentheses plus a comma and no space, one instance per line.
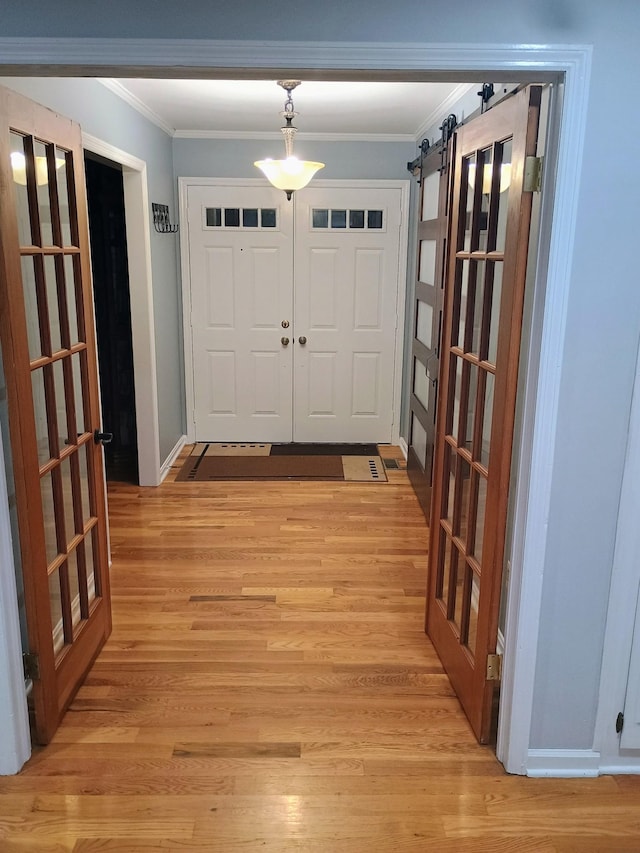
(289,174)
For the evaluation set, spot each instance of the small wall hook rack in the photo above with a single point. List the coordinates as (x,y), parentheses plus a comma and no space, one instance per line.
(161,221)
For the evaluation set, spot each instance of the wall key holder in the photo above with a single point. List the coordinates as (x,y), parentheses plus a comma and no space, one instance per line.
(161,221)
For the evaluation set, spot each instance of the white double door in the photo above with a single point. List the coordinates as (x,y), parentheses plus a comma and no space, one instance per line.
(294,312)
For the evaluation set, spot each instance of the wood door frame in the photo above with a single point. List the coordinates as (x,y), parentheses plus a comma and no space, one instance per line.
(137,221)
(566,64)
(184,183)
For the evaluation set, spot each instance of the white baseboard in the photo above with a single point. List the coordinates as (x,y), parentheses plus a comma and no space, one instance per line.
(403,447)
(171,458)
(561,763)
(619,769)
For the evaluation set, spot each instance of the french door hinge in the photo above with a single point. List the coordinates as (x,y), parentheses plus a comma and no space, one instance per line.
(619,722)
(494,667)
(31,664)
(532,180)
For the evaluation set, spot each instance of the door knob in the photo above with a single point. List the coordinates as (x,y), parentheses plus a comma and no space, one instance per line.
(302,340)
(285,324)
(102,437)
(284,342)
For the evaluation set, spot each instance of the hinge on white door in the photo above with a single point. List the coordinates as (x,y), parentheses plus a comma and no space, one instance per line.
(619,722)
(31,664)
(494,667)
(532,180)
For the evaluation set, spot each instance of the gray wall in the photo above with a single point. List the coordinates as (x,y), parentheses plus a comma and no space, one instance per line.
(103,114)
(234,158)
(604,300)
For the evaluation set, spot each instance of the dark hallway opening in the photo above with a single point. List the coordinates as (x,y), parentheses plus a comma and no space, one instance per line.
(107,229)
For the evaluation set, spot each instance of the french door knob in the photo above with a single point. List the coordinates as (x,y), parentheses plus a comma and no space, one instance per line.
(284,342)
(102,437)
(302,340)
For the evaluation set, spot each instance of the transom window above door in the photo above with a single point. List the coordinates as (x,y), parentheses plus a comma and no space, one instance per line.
(351,220)
(246,218)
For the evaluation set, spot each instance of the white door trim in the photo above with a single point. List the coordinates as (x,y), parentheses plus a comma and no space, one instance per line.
(136,203)
(623,599)
(15,738)
(183,189)
(568,63)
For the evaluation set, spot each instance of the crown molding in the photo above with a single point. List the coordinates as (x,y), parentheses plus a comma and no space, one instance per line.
(443,109)
(122,92)
(311,137)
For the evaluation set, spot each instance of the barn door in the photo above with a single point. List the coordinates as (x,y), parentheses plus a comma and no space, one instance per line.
(425,350)
(48,350)
(490,216)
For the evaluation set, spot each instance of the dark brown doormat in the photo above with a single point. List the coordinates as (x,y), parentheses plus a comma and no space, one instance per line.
(264,467)
(242,462)
(298,449)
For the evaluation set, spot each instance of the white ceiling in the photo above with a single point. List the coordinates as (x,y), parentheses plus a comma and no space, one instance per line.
(252,107)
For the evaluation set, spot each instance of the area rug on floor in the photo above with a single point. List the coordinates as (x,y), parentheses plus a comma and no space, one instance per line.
(246,461)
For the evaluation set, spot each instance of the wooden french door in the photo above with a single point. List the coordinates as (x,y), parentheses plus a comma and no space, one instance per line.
(490,218)
(48,349)
(425,348)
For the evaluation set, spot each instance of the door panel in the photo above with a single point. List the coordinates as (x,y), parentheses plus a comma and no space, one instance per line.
(346,261)
(49,357)
(241,293)
(431,270)
(490,215)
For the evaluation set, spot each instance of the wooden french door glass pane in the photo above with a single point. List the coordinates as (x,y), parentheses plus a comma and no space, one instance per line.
(18,164)
(70,290)
(63,196)
(51,539)
(45,219)
(31,306)
(504,151)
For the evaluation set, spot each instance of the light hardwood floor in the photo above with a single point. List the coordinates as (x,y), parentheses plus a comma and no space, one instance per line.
(268,687)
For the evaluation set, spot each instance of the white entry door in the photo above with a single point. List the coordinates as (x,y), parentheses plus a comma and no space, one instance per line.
(241,265)
(347,250)
(294,312)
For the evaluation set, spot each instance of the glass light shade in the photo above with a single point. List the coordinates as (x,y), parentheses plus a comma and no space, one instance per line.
(290,174)
(19,168)
(505,177)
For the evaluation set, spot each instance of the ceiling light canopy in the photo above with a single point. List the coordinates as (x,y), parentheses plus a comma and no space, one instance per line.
(289,174)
